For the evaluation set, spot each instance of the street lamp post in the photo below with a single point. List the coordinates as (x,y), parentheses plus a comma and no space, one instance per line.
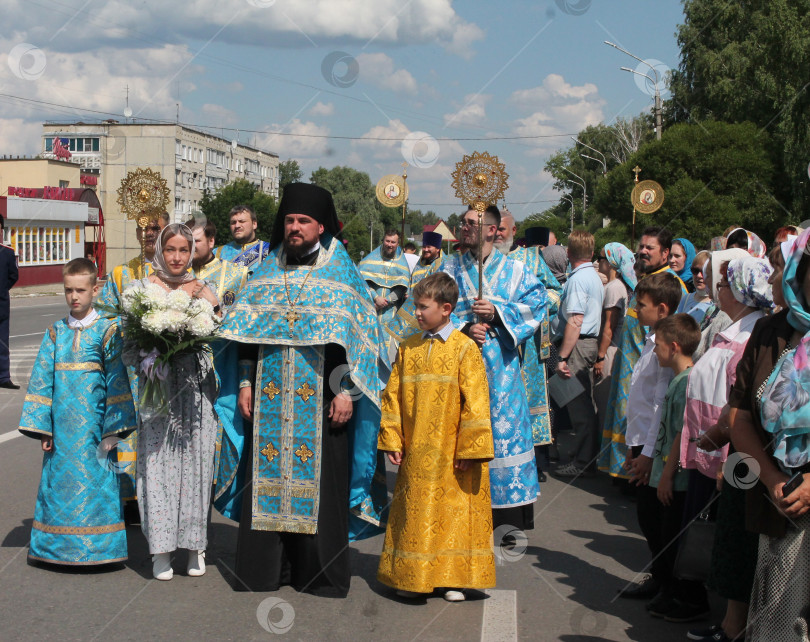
(584,192)
(602,161)
(658,123)
(565,197)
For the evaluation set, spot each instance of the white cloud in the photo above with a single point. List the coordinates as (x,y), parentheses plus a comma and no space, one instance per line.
(281,24)
(378,69)
(473,112)
(309,143)
(215,115)
(20,137)
(559,108)
(321,109)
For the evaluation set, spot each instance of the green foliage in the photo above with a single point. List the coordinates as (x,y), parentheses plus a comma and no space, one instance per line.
(713,174)
(216,207)
(615,142)
(289,171)
(749,61)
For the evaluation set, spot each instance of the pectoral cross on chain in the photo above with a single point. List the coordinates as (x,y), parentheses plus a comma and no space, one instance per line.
(292,316)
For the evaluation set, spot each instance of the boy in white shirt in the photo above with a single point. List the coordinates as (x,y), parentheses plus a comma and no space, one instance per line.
(657,296)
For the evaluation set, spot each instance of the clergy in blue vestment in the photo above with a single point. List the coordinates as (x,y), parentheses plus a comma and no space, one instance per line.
(137,268)
(537,351)
(388,278)
(302,484)
(507,316)
(245,249)
(78,396)
(227,280)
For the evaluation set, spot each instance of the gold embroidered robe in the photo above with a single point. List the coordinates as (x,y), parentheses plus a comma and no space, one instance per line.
(436,409)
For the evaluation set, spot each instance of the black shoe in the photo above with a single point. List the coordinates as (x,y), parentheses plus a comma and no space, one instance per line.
(10,385)
(132,516)
(685,612)
(661,605)
(646,588)
(553,453)
(541,476)
(714,633)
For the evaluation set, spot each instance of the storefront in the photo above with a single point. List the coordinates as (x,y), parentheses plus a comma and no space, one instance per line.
(45,233)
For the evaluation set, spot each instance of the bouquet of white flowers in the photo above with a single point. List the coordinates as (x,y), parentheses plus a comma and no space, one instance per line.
(162,324)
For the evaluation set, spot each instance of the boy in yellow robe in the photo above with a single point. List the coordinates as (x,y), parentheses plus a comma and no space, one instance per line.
(436,427)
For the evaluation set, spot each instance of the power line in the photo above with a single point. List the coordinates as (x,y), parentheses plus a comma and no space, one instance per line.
(59,106)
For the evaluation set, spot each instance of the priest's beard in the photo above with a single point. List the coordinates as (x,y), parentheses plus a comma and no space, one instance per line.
(298,251)
(504,246)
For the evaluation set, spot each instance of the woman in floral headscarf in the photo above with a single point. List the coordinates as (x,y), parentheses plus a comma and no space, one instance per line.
(770,421)
(744,295)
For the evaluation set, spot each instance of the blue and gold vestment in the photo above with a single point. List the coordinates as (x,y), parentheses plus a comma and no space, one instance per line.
(117,281)
(78,395)
(520,300)
(290,383)
(250,255)
(226,279)
(382,276)
(537,351)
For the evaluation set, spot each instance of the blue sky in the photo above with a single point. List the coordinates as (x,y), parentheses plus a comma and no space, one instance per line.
(421,71)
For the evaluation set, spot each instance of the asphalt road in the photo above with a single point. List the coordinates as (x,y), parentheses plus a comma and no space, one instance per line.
(562,586)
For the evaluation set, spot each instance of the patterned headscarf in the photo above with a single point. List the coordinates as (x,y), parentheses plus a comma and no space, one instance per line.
(557,260)
(622,260)
(785,408)
(689,250)
(159,263)
(748,282)
(717,259)
(756,247)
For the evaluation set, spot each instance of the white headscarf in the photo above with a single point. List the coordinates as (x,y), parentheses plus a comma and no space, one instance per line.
(159,263)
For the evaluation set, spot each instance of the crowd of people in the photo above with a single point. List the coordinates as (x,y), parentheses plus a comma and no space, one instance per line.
(668,365)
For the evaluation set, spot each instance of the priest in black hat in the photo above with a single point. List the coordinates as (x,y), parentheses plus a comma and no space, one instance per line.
(431,258)
(308,333)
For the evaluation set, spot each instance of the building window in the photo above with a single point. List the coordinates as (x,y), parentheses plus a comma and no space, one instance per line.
(49,144)
(39,245)
(64,183)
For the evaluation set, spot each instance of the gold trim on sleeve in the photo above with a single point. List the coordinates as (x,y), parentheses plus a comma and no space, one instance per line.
(38,399)
(79,365)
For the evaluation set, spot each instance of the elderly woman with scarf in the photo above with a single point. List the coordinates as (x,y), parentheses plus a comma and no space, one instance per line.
(175,462)
(770,423)
(743,294)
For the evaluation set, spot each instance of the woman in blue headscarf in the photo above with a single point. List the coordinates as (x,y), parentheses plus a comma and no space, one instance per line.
(770,423)
(680,260)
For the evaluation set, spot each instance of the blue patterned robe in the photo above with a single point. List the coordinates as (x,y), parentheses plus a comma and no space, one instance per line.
(227,280)
(78,395)
(537,351)
(117,281)
(334,308)
(249,255)
(382,276)
(520,300)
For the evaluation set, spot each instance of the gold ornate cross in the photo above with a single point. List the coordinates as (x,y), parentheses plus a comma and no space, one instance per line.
(303,453)
(292,316)
(305,392)
(269,451)
(271,390)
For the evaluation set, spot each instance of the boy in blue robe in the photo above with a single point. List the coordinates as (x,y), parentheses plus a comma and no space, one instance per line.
(78,405)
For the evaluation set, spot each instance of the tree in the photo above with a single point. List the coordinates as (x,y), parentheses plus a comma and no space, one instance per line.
(216,207)
(750,61)
(289,171)
(356,204)
(615,142)
(714,175)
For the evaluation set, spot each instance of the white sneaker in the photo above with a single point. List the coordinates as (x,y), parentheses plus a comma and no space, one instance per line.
(454,596)
(162,566)
(196,563)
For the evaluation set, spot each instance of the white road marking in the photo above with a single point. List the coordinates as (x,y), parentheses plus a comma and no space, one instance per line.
(30,334)
(10,435)
(499,622)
